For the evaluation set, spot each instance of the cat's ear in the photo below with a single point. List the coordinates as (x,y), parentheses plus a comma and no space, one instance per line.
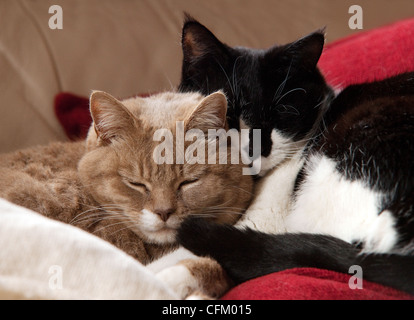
(308,50)
(199,42)
(210,113)
(305,52)
(111,118)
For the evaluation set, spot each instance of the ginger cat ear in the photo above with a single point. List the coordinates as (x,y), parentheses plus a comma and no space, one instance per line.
(210,113)
(111,118)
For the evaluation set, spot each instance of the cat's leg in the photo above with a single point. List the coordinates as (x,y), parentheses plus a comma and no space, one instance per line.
(248,254)
(177,276)
(171,259)
(190,276)
(201,278)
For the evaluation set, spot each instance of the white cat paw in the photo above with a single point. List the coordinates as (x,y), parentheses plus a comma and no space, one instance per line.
(179,279)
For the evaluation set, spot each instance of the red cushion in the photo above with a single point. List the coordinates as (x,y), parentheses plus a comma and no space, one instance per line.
(362,57)
(73,114)
(371,55)
(311,284)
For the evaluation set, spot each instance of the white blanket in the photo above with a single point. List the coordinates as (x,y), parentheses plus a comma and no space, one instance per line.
(45,259)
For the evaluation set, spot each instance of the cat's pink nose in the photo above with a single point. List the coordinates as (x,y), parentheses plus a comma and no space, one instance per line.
(164,214)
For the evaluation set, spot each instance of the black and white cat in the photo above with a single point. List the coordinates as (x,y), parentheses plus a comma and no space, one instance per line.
(340,190)
(279,91)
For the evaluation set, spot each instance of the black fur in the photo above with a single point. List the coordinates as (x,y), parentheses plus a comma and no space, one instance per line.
(369,132)
(247,254)
(279,87)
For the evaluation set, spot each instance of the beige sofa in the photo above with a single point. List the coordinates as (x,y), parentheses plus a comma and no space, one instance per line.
(133,46)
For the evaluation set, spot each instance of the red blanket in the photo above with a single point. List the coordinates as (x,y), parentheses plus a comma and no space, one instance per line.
(369,56)
(311,284)
(365,56)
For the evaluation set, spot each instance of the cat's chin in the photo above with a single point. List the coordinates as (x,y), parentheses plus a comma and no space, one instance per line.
(164,235)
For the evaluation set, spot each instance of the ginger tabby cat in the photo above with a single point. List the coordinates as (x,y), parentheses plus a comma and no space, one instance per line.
(110,185)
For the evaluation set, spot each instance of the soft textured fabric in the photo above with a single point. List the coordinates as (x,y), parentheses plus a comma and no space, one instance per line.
(73,113)
(369,56)
(311,284)
(45,259)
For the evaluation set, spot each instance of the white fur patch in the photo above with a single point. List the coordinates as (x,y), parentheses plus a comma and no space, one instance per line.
(155,229)
(171,259)
(282,148)
(270,207)
(329,204)
(179,279)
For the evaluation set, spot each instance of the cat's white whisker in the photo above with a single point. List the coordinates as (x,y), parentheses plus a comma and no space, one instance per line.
(241,189)
(108,226)
(127,227)
(100,215)
(82,214)
(101,210)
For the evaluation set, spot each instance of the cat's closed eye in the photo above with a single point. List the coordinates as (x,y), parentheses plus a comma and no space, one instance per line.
(138,185)
(187,183)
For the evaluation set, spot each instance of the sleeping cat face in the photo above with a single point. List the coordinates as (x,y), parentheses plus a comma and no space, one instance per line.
(150,198)
(278,90)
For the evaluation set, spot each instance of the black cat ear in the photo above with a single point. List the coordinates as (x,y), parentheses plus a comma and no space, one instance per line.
(197,41)
(307,50)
